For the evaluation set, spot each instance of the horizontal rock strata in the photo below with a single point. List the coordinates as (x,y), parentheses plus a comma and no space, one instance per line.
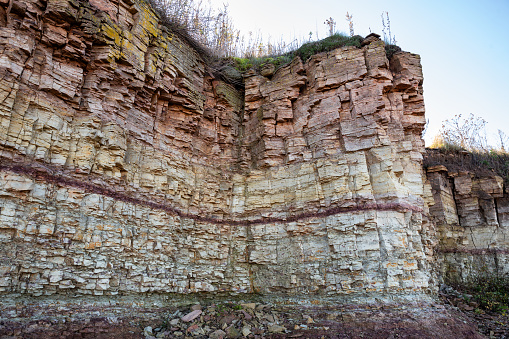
(471,213)
(126,167)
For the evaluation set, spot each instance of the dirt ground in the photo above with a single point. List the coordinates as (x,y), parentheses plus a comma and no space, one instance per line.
(442,319)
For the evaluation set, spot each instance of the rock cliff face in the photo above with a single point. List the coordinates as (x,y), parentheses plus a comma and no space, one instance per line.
(128,169)
(471,213)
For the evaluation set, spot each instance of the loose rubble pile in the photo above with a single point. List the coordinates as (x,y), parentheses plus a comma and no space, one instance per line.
(246,319)
(226,320)
(251,320)
(493,325)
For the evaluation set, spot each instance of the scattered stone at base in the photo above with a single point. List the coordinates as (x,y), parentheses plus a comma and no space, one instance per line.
(246,330)
(226,320)
(219,334)
(247,316)
(196,307)
(191,316)
(232,332)
(262,308)
(276,329)
(251,306)
(148,331)
(192,328)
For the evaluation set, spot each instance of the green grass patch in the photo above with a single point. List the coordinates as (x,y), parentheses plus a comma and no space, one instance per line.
(391,49)
(490,292)
(305,52)
(337,40)
(245,64)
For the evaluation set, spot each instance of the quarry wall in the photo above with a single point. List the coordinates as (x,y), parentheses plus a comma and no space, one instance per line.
(471,214)
(127,168)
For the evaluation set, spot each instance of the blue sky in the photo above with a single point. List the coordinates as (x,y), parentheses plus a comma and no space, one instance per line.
(464,45)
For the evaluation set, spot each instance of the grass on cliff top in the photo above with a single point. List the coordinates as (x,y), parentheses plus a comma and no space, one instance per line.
(479,163)
(306,51)
(212,35)
(328,44)
(231,69)
(245,64)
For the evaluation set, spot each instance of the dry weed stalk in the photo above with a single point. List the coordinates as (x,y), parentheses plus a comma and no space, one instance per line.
(212,31)
(332,25)
(350,23)
(386,30)
(468,134)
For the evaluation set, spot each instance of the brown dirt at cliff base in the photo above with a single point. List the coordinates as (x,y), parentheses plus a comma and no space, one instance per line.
(370,321)
(491,324)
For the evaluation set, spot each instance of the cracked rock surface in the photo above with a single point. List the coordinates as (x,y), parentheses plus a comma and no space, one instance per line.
(471,214)
(130,176)
(126,168)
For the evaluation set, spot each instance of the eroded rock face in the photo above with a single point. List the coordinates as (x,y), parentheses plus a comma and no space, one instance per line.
(471,213)
(126,168)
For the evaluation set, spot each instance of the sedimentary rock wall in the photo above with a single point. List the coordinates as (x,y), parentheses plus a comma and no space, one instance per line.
(471,213)
(128,169)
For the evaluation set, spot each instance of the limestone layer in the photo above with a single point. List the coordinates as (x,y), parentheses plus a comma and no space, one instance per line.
(471,213)
(127,168)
